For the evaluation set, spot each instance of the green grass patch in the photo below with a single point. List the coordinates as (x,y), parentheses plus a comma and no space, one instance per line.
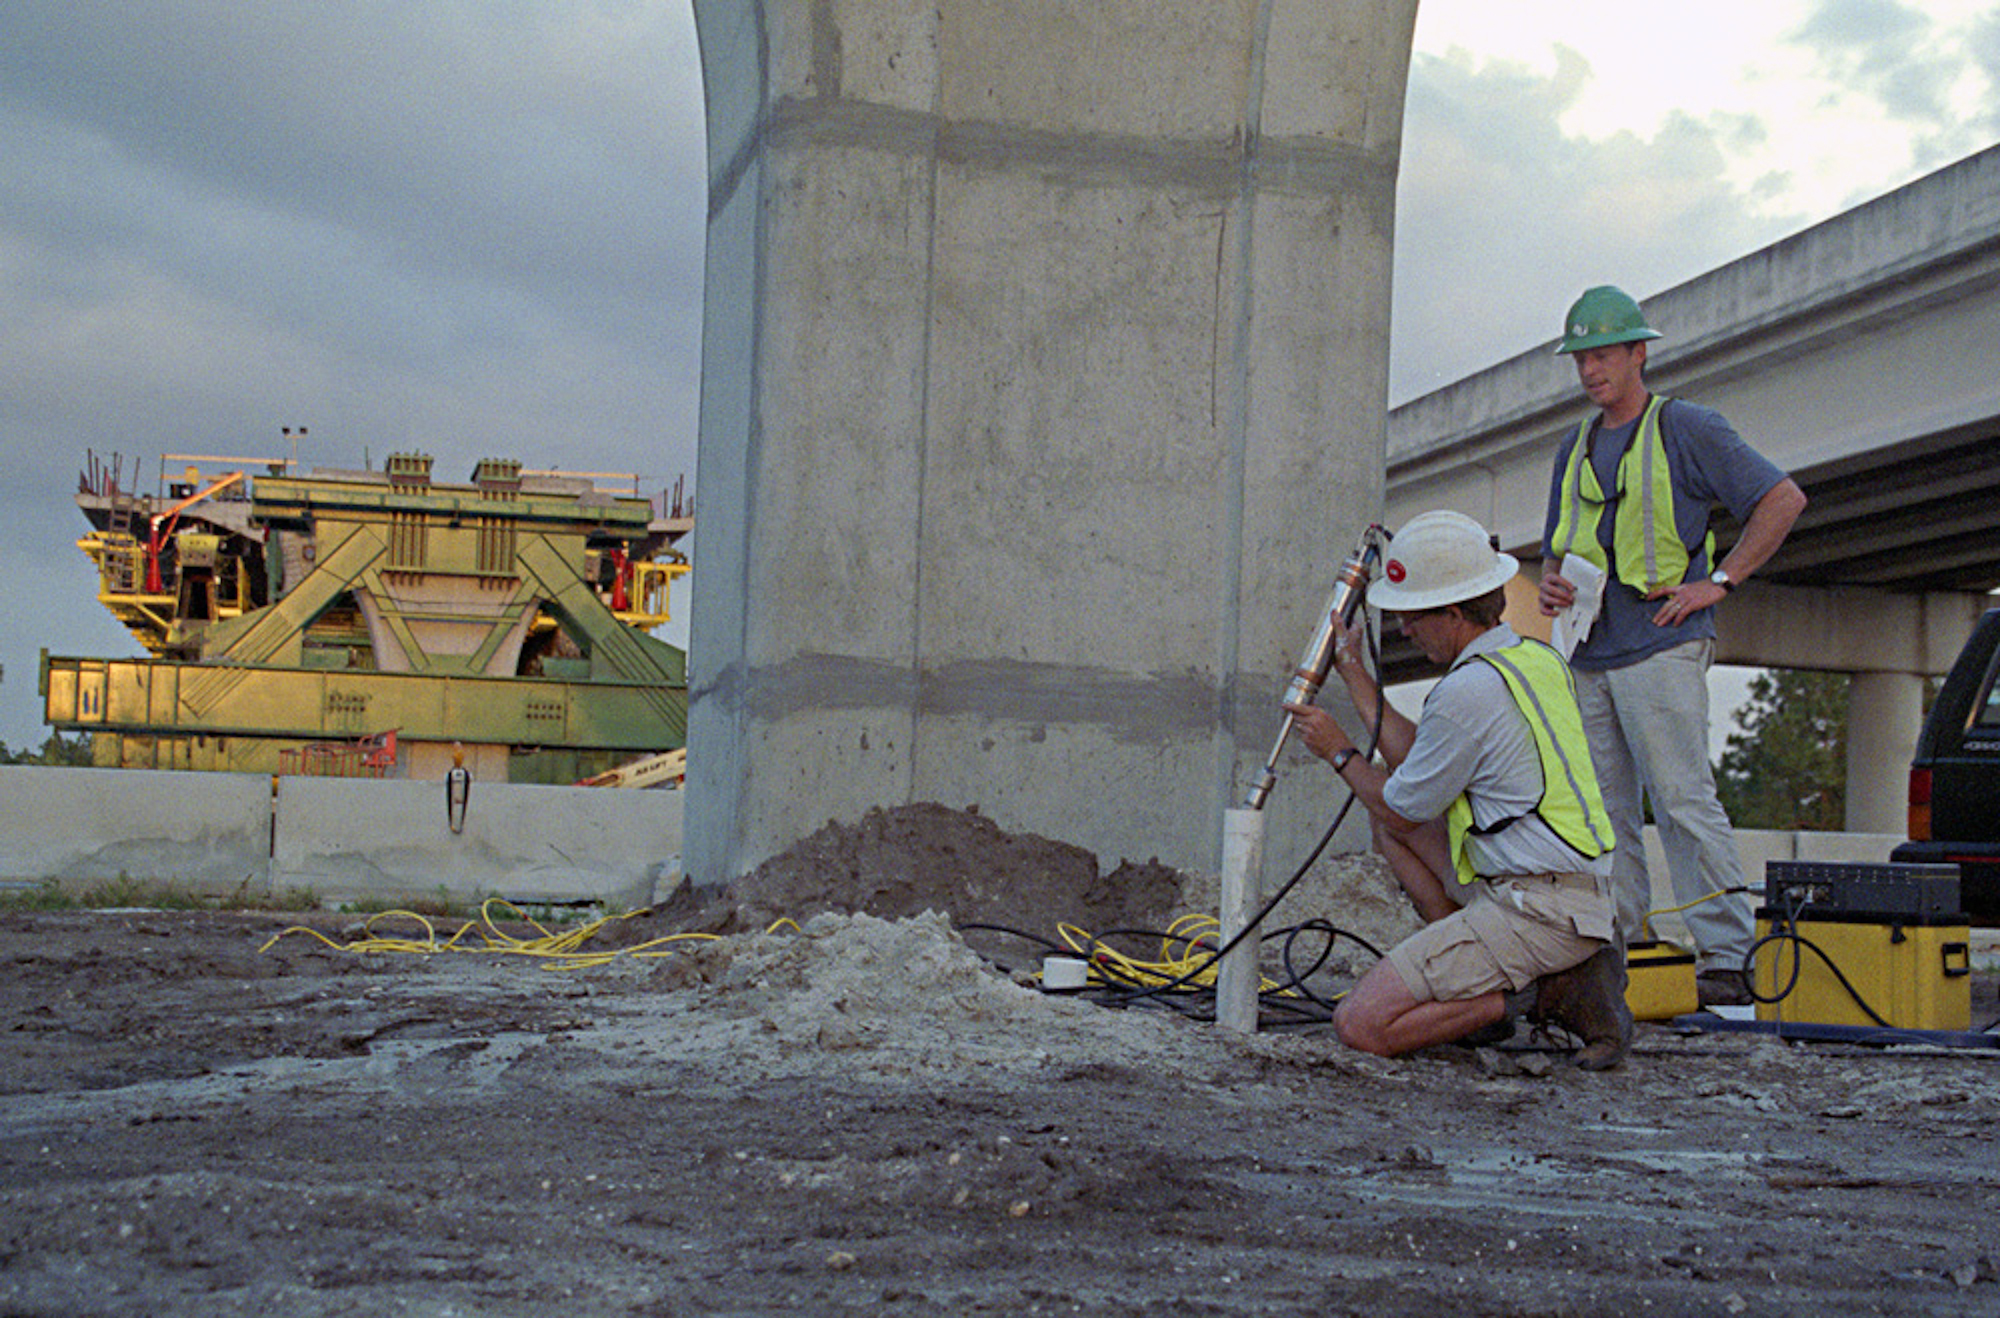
(125,892)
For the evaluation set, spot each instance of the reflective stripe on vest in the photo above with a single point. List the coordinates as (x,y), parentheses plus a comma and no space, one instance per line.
(1571,804)
(1644,536)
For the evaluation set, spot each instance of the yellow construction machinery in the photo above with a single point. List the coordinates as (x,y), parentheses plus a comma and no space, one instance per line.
(287,614)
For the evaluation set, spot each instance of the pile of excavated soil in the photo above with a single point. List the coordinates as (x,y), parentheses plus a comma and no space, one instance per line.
(907,860)
(924,857)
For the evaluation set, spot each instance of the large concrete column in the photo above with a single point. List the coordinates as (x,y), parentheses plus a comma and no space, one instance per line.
(1043,389)
(1885,711)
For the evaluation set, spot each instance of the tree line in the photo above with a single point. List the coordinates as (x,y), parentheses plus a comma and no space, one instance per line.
(1785,765)
(55,749)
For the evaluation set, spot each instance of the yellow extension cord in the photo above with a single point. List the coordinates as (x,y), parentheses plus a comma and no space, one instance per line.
(1647,924)
(1180,958)
(560,951)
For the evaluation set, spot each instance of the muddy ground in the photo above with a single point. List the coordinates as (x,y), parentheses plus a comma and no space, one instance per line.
(866,1113)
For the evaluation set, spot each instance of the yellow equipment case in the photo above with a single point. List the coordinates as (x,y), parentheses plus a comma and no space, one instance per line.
(1659,981)
(1832,937)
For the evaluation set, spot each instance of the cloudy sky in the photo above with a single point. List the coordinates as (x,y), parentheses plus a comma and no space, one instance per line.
(473,227)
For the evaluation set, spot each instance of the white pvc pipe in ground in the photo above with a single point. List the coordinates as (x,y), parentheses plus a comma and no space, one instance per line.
(1242,893)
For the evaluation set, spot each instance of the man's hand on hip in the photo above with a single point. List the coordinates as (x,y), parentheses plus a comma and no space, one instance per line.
(1679,603)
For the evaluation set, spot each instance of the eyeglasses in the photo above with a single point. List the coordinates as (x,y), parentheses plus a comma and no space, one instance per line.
(1590,491)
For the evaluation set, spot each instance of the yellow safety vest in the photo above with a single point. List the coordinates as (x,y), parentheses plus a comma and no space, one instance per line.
(1571,803)
(1644,537)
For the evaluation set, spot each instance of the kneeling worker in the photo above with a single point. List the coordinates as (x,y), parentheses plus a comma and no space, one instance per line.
(1489,815)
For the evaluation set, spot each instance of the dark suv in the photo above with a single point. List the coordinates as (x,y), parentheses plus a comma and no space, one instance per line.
(1955,779)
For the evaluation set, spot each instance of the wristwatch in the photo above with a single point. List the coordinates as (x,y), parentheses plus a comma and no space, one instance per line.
(1721,578)
(1341,758)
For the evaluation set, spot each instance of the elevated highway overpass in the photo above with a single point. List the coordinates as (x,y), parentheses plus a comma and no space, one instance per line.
(1861,355)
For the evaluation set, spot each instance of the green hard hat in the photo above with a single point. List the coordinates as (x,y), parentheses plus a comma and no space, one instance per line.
(1604,315)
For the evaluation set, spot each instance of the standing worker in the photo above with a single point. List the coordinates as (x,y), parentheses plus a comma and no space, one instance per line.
(1631,494)
(1488,814)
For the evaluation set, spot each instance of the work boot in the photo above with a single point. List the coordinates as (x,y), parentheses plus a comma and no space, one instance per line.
(1722,988)
(1588,1000)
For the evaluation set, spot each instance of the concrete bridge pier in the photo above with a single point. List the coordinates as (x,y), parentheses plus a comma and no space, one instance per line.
(1885,712)
(1044,376)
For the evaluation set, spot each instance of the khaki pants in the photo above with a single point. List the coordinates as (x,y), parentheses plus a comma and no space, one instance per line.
(1509,934)
(1648,729)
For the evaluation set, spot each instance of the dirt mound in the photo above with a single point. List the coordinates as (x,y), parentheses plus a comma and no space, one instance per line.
(903,861)
(1010,894)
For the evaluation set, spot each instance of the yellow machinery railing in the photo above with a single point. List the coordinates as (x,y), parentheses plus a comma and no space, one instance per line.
(647,607)
(121,587)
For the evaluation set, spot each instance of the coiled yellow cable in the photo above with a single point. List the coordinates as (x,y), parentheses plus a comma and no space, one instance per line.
(1182,959)
(559,951)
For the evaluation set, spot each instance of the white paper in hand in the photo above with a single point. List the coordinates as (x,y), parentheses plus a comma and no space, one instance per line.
(1573,623)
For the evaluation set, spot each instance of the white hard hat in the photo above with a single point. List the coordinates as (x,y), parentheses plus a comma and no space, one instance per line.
(1439,558)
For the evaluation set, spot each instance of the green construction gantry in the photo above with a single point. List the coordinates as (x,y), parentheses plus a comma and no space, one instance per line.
(506,618)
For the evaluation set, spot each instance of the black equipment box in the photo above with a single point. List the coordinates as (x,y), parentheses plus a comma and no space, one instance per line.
(1811,889)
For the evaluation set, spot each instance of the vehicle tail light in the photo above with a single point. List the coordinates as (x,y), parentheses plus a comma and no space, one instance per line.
(1920,805)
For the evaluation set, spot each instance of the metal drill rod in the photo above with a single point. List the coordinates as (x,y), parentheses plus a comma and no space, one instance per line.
(1349,589)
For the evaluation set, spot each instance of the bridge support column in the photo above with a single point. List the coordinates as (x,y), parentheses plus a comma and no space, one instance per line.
(1884,715)
(1043,389)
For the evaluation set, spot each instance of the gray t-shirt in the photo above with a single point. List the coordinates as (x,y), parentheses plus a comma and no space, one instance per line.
(1710,465)
(1473,738)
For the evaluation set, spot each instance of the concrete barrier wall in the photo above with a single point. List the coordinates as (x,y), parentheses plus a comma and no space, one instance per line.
(86,827)
(341,839)
(346,837)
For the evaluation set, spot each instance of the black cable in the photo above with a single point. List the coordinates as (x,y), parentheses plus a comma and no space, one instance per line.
(1784,928)
(1374,741)
(1297,978)
(1251,927)
(1798,961)
(1294,976)
(1292,1012)
(1113,970)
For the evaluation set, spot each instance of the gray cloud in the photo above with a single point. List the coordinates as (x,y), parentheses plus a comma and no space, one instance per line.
(1982,47)
(1502,219)
(531,142)
(1896,55)
(367,198)
(1875,45)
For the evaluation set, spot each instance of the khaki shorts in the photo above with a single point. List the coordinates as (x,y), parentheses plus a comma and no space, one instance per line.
(1511,933)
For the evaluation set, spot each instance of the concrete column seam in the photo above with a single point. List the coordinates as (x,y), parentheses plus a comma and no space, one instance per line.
(1237,434)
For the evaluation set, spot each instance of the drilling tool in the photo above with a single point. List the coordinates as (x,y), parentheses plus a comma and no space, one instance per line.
(1350,587)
